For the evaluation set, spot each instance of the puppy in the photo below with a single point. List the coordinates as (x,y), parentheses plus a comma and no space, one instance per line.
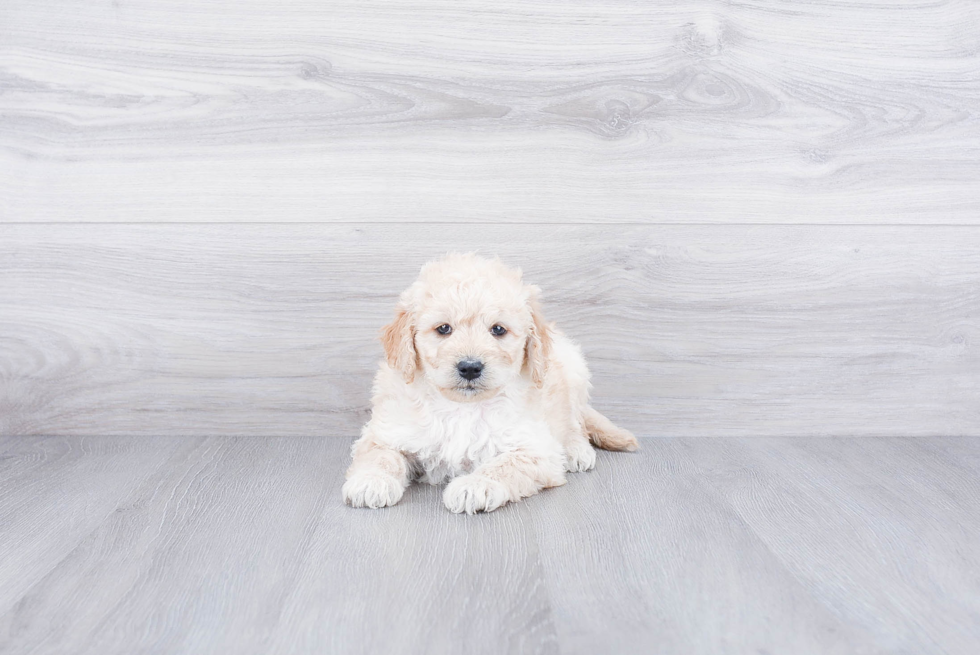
(476,390)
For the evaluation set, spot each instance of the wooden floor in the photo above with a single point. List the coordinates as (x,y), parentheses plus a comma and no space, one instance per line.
(740,545)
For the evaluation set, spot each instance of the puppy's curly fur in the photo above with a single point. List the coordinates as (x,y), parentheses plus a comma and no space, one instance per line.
(505,434)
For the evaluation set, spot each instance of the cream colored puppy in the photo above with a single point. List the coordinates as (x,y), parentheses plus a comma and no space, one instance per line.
(477,390)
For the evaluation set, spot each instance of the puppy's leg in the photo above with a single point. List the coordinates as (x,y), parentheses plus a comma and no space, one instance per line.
(579,453)
(563,419)
(506,478)
(567,393)
(378,475)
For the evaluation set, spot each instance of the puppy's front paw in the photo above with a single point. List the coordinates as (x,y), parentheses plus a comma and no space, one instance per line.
(372,490)
(579,456)
(474,493)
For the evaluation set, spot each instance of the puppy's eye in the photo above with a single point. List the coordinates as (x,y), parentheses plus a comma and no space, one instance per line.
(445,328)
(498,330)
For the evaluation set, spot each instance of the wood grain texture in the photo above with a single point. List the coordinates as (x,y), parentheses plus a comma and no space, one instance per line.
(728,546)
(271,330)
(426,583)
(244,546)
(649,555)
(54,492)
(925,504)
(577,111)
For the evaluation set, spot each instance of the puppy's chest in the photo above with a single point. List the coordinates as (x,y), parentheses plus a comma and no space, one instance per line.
(455,440)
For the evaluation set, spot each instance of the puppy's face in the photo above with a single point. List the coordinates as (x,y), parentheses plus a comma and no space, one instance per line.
(471,342)
(469,327)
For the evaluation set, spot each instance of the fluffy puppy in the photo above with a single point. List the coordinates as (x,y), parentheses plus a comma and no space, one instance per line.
(476,390)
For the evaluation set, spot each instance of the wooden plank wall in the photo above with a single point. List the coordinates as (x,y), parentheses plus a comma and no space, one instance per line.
(759,218)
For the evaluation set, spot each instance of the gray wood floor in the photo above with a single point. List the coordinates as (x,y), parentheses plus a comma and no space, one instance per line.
(740,545)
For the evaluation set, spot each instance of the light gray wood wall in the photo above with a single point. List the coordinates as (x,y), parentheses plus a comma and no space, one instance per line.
(757,217)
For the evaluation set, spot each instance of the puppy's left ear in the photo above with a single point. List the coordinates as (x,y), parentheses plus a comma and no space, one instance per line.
(398,339)
(537,350)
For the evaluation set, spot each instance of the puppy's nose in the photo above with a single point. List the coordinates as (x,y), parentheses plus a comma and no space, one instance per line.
(470,369)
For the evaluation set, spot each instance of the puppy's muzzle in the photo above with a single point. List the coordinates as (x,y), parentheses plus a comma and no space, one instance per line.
(469,369)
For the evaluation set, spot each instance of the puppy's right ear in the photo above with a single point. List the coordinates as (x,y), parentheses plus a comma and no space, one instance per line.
(398,339)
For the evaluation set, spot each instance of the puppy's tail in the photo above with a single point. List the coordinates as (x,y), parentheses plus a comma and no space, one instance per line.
(604,434)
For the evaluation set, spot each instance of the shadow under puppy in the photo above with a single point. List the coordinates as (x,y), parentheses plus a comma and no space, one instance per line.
(478,390)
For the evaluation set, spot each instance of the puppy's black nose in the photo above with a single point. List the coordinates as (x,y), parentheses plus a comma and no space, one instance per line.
(470,369)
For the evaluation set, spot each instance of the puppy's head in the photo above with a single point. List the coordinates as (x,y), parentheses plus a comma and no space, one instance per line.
(469,326)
